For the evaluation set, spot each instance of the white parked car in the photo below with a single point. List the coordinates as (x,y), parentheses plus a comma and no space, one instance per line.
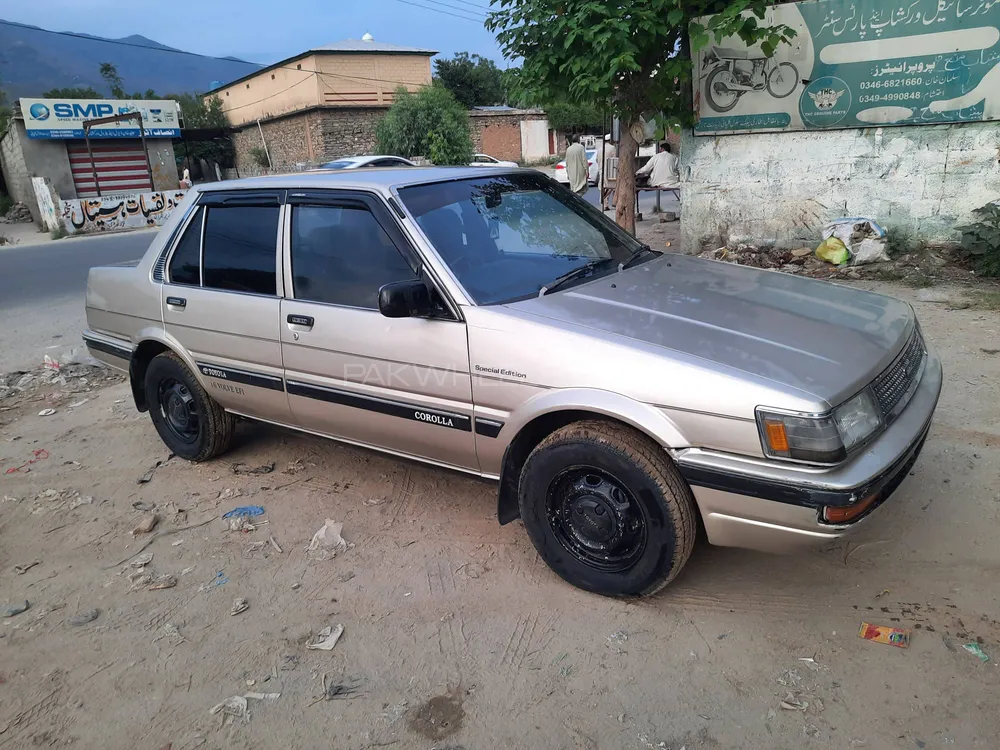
(594,170)
(357,162)
(485,160)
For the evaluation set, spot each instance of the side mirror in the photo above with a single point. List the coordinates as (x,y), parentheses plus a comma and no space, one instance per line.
(405,299)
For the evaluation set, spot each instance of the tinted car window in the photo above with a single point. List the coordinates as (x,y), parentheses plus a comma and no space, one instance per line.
(506,237)
(185,263)
(342,256)
(240,246)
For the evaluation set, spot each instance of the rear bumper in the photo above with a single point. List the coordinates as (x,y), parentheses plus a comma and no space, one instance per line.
(759,504)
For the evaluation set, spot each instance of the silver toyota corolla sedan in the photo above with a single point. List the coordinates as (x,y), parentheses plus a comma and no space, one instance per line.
(496,324)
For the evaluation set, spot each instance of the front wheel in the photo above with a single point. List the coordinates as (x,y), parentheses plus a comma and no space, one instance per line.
(781,81)
(607,509)
(189,421)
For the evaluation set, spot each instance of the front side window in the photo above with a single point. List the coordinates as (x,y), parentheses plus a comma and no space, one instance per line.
(240,249)
(342,256)
(185,263)
(508,236)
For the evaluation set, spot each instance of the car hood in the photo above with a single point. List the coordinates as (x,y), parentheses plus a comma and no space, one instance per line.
(821,339)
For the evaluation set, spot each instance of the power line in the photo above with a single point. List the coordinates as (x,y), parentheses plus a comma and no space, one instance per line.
(442,12)
(477,12)
(269,96)
(473,5)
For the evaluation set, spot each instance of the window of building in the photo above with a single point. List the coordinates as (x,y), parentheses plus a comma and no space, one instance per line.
(240,248)
(342,256)
(185,264)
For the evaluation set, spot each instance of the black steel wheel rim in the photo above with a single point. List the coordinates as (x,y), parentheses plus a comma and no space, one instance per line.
(596,518)
(179,409)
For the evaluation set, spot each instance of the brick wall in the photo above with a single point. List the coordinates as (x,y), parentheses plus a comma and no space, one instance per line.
(346,132)
(499,134)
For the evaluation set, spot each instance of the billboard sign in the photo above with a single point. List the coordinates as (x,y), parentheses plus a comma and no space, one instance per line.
(856,64)
(64,118)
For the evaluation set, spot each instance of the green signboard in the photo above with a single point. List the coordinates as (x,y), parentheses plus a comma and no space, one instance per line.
(865,63)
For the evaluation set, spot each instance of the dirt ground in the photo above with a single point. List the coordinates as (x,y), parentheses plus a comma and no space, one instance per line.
(455,633)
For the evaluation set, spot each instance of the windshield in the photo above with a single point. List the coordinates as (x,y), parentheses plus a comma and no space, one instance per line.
(338,164)
(506,237)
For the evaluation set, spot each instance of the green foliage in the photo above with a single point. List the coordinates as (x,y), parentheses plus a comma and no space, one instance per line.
(900,240)
(58,233)
(114,81)
(981,241)
(428,123)
(200,113)
(71,92)
(259,156)
(474,80)
(635,54)
(571,117)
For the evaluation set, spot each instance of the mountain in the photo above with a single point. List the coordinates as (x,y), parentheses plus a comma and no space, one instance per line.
(33,60)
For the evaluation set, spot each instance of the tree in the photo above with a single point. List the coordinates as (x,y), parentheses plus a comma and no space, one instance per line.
(73,93)
(200,113)
(428,123)
(634,55)
(474,80)
(110,75)
(570,117)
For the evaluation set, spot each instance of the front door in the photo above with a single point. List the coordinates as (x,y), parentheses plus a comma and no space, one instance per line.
(220,300)
(398,384)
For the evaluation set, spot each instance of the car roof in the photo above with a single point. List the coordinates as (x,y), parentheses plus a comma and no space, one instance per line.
(377,178)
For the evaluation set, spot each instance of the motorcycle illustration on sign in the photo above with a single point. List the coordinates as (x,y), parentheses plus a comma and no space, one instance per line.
(735,72)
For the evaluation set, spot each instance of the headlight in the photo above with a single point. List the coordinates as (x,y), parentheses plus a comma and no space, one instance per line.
(822,439)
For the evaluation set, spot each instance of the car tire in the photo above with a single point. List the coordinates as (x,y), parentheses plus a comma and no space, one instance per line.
(189,421)
(607,509)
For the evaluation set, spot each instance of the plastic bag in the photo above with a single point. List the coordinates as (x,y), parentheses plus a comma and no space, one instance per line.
(833,250)
(863,238)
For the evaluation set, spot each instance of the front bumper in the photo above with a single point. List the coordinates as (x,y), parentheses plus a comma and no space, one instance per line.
(775,507)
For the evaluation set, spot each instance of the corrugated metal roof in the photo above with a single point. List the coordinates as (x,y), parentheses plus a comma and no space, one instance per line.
(359,45)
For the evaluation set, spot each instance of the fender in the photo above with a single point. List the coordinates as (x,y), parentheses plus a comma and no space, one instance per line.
(137,367)
(548,411)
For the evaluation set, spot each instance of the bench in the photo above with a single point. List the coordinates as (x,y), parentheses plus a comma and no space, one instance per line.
(646,188)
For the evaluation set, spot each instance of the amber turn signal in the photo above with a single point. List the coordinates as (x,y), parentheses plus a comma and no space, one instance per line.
(776,436)
(848,513)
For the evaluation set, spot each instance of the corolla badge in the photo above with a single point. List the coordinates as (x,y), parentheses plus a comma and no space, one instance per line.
(39,111)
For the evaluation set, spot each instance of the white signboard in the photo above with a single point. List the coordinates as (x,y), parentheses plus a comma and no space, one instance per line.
(64,118)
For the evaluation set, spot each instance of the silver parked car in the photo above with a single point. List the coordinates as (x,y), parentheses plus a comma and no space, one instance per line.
(498,325)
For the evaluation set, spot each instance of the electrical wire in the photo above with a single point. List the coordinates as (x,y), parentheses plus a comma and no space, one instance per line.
(437,10)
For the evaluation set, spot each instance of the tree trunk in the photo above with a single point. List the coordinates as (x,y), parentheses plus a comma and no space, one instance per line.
(625,186)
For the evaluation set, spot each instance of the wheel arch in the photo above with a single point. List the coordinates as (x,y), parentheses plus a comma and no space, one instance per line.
(152,342)
(557,409)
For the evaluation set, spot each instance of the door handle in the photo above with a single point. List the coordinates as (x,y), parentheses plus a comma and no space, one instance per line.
(300,322)
(177,302)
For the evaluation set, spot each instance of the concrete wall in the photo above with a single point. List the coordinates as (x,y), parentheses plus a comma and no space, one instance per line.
(114,212)
(782,187)
(163,162)
(342,80)
(24,158)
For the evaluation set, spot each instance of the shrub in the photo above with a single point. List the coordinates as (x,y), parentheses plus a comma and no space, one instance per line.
(981,241)
(428,123)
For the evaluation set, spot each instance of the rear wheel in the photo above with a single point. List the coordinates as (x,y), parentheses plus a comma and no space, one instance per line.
(721,91)
(189,421)
(606,509)
(781,81)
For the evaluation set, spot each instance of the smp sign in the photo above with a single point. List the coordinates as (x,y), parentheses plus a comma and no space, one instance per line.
(857,64)
(64,118)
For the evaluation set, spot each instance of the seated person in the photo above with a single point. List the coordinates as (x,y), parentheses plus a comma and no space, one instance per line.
(662,169)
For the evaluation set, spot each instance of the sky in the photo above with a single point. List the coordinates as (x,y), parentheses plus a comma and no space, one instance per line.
(266,31)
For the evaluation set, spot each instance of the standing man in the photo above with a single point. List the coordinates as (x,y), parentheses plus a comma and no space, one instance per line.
(662,169)
(577,168)
(604,153)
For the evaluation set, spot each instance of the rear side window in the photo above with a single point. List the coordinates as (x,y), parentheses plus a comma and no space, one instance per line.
(185,264)
(240,248)
(342,256)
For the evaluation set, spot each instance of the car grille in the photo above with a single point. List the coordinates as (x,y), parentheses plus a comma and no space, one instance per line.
(894,387)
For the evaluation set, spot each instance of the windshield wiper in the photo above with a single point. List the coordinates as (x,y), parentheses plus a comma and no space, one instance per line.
(635,256)
(580,271)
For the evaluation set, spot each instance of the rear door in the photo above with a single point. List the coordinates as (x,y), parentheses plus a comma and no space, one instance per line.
(398,384)
(221,300)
